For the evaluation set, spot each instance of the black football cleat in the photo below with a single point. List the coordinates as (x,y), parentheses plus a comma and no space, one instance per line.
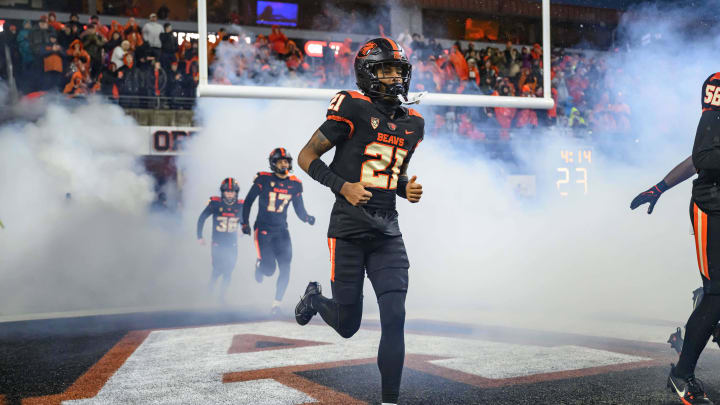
(304,310)
(690,390)
(676,340)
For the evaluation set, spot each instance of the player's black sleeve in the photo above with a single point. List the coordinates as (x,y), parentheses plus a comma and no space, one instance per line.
(677,175)
(706,150)
(335,131)
(299,207)
(201,220)
(680,173)
(248,202)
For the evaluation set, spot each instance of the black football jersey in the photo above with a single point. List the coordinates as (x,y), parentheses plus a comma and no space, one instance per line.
(706,149)
(226,218)
(275,195)
(370,148)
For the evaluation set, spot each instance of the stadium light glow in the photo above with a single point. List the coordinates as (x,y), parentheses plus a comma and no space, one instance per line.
(205,89)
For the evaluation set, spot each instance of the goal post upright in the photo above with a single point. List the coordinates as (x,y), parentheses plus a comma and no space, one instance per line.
(205,89)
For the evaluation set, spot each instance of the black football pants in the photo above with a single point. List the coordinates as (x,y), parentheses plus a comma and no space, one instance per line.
(706,315)
(274,246)
(385,261)
(224,256)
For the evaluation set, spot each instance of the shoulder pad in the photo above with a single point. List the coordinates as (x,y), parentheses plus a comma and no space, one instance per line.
(293,178)
(214,198)
(241,202)
(264,174)
(358,95)
(412,111)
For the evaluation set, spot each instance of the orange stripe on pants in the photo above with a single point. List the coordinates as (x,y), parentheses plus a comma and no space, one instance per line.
(257,245)
(331,246)
(700,227)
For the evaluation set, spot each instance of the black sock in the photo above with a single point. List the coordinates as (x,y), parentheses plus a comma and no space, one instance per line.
(697,332)
(391,353)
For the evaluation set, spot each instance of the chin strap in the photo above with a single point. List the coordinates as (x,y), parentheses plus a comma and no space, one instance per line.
(415,99)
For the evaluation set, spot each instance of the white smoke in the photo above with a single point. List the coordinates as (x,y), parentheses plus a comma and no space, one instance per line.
(472,243)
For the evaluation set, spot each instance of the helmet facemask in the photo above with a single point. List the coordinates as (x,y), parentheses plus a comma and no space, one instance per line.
(379,89)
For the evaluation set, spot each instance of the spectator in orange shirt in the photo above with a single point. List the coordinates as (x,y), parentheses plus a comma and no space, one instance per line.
(294,56)
(526,117)
(54,23)
(78,55)
(278,41)
(53,64)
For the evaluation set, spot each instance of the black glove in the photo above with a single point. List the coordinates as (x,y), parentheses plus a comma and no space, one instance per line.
(246,229)
(650,196)
(310,220)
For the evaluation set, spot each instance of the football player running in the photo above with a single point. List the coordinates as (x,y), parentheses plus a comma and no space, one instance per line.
(374,138)
(226,213)
(705,219)
(276,190)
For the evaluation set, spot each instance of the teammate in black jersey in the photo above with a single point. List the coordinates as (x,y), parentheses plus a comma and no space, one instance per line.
(374,138)
(272,239)
(226,213)
(705,218)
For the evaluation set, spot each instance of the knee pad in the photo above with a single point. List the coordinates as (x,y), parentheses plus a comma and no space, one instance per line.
(349,317)
(266,267)
(392,309)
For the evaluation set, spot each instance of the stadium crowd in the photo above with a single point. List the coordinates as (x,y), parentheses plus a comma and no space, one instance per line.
(133,64)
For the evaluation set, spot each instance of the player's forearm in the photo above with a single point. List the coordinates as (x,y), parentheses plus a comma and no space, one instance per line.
(201,222)
(680,173)
(247,204)
(299,207)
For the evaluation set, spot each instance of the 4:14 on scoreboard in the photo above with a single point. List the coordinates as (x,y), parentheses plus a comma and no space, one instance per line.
(573,174)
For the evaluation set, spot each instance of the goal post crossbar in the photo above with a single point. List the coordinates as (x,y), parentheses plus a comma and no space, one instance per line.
(205,89)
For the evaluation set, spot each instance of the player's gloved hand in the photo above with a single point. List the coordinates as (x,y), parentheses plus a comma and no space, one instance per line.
(310,220)
(413,190)
(649,196)
(246,229)
(201,241)
(355,193)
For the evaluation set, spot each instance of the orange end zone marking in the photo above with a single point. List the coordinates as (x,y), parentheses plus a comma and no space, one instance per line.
(90,383)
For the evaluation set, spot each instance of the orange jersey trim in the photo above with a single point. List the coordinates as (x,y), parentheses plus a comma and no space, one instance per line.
(345,120)
(355,94)
(412,111)
(257,245)
(700,228)
(331,246)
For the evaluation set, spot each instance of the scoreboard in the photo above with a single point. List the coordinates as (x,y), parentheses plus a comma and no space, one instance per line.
(573,171)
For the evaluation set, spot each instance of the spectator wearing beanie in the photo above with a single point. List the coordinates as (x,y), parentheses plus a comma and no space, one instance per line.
(75,20)
(93,44)
(53,64)
(99,28)
(109,81)
(151,33)
(39,39)
(27,58)
(169,46)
